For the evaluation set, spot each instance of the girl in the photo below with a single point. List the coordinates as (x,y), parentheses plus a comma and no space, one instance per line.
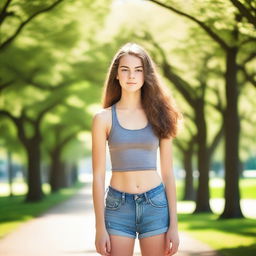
(137,118)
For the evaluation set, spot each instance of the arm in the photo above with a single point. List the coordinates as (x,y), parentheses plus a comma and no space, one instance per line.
(169,182)
(102,241)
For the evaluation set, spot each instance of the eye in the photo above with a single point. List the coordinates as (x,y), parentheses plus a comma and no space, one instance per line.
(124,69)
(139,70)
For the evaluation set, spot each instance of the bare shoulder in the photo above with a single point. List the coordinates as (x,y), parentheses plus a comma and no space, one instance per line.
(102,117)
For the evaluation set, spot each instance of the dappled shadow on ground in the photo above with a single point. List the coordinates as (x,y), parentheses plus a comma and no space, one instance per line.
(240,250)
(198,253)
(205,221)
(17,210)
(79,204)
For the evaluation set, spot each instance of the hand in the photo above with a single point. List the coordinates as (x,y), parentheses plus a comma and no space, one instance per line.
(172,238)
(102,242)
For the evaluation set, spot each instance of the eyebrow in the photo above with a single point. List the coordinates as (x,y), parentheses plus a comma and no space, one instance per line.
(128,67)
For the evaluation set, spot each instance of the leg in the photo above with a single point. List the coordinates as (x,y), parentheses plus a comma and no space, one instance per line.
(121,245)
(153,245)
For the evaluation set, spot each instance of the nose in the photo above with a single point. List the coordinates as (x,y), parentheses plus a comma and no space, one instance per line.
(131,74)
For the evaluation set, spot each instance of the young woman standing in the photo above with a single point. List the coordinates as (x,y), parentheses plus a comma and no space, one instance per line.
(137,118)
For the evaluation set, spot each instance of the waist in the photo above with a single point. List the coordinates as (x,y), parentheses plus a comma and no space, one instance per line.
(134,196)
(134,181)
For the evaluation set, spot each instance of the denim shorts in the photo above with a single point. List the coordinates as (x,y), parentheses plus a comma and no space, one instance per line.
(145,214)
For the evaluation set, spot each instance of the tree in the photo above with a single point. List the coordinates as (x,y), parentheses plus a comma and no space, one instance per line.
(195,96)
(247,10)
(231,40)
(45,74)
(187,148)
(11,11)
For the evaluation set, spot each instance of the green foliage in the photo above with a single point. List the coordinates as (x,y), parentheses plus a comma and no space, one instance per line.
(51,61)
(14,211)
(230,237)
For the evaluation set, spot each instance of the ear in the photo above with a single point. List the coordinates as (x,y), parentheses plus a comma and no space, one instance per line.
(117,77)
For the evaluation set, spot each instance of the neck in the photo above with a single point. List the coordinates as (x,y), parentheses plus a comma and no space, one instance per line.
(130,101)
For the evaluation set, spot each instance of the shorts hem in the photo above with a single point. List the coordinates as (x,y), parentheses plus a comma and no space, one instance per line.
(120,233)
(153,232)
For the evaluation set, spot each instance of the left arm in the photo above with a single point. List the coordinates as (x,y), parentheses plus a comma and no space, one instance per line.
(170,187)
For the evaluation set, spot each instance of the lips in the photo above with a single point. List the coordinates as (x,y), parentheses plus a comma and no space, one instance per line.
(131,83)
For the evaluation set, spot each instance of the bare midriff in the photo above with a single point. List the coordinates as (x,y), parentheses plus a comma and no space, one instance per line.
(135,181)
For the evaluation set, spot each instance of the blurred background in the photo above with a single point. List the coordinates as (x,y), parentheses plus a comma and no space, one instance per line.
(54,57)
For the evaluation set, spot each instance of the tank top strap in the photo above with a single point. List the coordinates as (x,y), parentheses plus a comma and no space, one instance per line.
(114,117)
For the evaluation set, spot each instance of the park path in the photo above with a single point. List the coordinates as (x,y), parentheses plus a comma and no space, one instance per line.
(68,230)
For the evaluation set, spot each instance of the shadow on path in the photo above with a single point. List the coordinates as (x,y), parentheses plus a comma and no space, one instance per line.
(68,230)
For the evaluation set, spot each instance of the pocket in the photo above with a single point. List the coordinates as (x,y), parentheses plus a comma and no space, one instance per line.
(112,202)
(159,200)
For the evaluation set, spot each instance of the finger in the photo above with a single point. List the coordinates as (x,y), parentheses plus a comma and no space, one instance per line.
(167,245)
(105,254)
(174,249)
(98,249)
(108,246)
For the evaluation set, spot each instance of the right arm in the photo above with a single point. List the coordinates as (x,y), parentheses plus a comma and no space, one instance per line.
(102,241)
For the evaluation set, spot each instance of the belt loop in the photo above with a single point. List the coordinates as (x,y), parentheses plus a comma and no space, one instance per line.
(123,197)
(106,191)
(146,196)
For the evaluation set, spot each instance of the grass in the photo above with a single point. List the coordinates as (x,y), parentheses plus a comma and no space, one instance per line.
(247,188)
(231,237)
(14,211)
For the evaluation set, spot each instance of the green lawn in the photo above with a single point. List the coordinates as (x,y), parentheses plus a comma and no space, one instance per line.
(235,237)
(247,188)
(14,211)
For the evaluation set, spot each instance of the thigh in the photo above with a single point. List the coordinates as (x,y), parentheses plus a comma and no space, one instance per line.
(121,245)
(153,245)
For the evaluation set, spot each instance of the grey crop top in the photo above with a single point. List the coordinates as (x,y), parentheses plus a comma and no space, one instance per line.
(132,149)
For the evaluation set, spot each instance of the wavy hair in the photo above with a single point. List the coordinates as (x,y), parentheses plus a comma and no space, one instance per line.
(157,102)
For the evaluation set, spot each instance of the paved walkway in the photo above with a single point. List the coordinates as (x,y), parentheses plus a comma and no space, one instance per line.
(68,230)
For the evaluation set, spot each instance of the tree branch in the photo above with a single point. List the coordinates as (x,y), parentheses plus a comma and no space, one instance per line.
(21,26)
(216,140)
(46,109)
(249,78)
(183,87)
(4,13)
(249,58)
(6,84)
(9,115)
(38,85)
(219,106)
(244,12)
(210,32)
(68,138)
(248,40)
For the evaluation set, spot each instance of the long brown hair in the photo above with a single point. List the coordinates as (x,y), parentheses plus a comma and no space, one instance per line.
(157,101)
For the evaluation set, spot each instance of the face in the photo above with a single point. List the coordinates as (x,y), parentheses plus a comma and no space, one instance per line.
(130,73)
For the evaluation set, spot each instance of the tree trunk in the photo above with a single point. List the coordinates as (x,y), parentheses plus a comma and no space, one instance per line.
(232,207)
(65,173)
(10,171)
(203,195)
(189,191)
(55,171)
(74,174)
(35,192)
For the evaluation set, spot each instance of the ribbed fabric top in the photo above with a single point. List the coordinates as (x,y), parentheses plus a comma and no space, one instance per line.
(132,149)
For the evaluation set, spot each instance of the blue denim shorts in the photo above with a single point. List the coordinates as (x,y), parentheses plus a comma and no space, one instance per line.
(145,214)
